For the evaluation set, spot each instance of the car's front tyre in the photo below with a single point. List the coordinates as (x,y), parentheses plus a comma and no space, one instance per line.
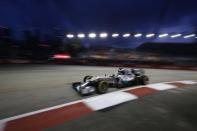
(102,87)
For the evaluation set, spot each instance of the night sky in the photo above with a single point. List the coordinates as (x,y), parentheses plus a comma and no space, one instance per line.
(101,15)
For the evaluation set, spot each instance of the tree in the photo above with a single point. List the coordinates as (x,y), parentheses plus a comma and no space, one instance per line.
(5,42)
(74,47)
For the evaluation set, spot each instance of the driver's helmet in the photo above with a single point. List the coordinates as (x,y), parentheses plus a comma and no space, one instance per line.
(121,71)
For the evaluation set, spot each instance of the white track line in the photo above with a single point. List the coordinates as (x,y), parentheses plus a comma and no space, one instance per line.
(38,111)
(161,86)
(59,106)
(101,101)
(189,82)
(108,100)
(2,125)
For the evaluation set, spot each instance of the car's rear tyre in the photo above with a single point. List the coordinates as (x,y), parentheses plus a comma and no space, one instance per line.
(144,80)
(102,87)
(86,78)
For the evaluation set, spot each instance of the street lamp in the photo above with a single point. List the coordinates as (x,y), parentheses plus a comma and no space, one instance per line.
(81,35)
(163,35)
(189,36)
(138,35)
(92,35)
(150,35)
(103,35)
(115,35)
(176,35)
(126,35)
(70,36)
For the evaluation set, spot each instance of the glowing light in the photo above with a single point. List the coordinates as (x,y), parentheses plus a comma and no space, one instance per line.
(163,35)
(103,35)
(70,36)
(61,56)
(92,35)
(138,35)
(115,35)
(176,35)
(81,35)
(150,35)
(126,35)
(189,36)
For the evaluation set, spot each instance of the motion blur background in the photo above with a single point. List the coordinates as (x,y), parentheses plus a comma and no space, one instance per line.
(47,45)
(45,31)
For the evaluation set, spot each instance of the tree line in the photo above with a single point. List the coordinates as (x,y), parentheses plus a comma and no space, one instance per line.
(35,46)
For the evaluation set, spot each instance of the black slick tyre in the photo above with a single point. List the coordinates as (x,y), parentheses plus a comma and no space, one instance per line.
(102,87)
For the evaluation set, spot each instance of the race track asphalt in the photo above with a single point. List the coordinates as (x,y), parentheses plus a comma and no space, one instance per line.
(171,110)
(28,88)
(31,87)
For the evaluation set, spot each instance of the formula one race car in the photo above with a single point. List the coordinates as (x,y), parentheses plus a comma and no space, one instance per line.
(100,84)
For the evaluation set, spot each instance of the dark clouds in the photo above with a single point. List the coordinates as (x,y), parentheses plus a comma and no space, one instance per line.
(100,15)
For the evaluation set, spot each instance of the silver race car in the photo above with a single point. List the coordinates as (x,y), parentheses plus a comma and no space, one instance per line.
(100,84)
